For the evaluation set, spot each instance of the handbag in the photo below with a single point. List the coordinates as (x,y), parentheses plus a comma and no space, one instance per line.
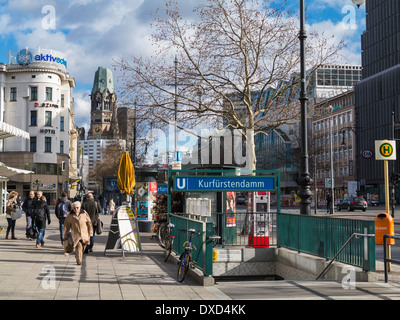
(99,227)
(15,215)
(68,247)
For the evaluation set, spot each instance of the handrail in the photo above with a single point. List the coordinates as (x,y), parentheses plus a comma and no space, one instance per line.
(385,259)
(341,249)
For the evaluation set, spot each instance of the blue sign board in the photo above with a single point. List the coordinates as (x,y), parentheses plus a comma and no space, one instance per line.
(162,188)
(208,183)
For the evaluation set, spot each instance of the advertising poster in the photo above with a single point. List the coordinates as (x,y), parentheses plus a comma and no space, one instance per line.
(142,210)
(230,209)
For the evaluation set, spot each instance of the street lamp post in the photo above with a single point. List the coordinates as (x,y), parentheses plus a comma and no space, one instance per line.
(330,109)
(304,181)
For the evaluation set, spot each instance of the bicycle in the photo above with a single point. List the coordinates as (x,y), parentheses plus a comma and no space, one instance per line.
(163,233)
(185,260)
(170,226)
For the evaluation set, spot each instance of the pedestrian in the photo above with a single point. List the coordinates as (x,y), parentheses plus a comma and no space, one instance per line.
(28,207)
(329,203)
(42,215)
(93,209)
(111,206)
(104,205)
(63,207)
(81,227)
(11,207)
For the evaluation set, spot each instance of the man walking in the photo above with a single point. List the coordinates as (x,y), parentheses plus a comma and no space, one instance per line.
(93,209)
(28,207)
(63,207)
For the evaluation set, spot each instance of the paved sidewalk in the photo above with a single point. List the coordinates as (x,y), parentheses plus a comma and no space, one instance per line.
(26,271)
(29,273)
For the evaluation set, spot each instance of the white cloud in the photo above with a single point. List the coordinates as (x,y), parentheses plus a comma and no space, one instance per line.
(82,108)
(93,33)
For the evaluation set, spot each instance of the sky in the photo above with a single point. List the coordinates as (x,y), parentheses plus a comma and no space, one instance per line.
(93,33)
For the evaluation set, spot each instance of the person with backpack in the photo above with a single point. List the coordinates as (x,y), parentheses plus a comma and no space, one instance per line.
(63,207)
(42,215)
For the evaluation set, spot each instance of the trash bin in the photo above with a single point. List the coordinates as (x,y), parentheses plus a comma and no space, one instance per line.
(384,224)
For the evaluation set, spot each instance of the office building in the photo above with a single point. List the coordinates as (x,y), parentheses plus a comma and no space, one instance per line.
(377,95)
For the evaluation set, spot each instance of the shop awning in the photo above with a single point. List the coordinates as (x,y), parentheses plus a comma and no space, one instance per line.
(7,131)
(6,171)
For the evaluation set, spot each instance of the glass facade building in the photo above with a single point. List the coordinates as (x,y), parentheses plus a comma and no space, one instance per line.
(378,93)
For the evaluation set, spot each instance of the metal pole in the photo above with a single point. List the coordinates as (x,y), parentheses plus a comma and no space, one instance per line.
(176,107)
(304,181)
(331,160)
(393,172)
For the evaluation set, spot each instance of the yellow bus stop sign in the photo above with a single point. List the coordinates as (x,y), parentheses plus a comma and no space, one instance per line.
(385,150)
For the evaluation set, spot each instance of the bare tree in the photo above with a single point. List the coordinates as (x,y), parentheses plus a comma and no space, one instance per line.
(109,165)
(236,65)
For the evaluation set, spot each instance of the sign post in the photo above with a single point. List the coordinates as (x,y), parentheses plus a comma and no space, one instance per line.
(386,150)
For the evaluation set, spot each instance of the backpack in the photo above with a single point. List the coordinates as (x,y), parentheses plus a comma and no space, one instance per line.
(62,209)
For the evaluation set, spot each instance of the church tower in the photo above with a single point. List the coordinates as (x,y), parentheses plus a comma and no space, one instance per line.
(103,123)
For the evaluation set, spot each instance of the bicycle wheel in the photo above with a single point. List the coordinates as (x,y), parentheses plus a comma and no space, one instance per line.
(163,236)
(169,250)
(183,267)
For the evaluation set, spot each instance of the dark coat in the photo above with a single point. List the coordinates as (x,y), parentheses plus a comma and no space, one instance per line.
(93,209)
(28,206)
(42,213)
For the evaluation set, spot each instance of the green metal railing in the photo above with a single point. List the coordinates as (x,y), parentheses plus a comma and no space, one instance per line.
(202,249)
(325,236)
(239,229)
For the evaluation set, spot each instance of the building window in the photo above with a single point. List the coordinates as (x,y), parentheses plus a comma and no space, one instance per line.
(62,123)
(49,94)
(47,119)
(61,146)
(33,118)
(32,144)
(47,144)
(34,93)
(13,94)
(62,100)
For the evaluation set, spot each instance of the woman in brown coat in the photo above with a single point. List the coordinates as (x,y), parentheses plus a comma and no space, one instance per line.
(81,229)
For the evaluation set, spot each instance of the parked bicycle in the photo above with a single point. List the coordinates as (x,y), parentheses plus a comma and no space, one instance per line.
(171,238)
(163,232)
(186,260)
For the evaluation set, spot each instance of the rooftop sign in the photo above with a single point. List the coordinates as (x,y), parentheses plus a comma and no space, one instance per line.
(27,56)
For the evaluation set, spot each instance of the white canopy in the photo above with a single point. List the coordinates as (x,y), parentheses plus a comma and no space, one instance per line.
(7,131)
(6,171)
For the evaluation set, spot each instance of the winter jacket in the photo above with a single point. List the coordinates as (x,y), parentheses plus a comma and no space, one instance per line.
(42,212)
(92,208)
(81,227)
(28,207)
(11,207)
